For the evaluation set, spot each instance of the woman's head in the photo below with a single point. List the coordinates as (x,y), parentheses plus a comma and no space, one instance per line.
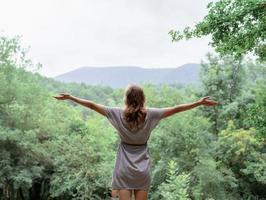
(134,96)
(134,100)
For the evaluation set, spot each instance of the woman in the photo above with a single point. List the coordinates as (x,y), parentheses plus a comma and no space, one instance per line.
(134,124)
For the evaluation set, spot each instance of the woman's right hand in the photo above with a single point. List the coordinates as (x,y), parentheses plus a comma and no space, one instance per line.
(63,96)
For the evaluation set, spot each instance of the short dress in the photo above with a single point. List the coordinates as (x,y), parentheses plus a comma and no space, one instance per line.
(133,165)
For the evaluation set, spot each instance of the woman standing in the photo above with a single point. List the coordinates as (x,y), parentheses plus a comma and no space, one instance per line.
(134,124)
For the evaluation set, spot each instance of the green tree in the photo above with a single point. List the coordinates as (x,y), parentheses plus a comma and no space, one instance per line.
(236,26)
(175,186)
(242,153)
(256,112)
(211,181)
(223,79)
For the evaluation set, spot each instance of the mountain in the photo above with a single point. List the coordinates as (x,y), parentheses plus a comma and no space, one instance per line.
(120,76)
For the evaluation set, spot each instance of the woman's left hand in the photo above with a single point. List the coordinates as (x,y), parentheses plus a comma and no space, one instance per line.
(207,102)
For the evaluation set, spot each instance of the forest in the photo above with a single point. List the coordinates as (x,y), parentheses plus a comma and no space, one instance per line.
(51,150)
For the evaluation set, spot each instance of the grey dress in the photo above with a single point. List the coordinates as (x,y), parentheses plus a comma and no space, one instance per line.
(133,165)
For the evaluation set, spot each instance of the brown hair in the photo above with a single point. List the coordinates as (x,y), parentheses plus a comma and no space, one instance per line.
(134,112)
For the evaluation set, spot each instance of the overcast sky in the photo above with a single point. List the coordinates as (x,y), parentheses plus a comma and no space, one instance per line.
(64,35)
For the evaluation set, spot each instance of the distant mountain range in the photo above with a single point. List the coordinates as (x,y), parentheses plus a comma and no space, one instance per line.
(121,76)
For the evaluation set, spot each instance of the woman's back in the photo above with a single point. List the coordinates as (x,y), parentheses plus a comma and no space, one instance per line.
(132,168)
(140,136)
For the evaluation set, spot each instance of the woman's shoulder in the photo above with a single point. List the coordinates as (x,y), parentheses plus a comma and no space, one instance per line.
(155,112)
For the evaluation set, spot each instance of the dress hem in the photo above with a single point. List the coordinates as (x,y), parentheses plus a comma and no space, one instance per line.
(130,189)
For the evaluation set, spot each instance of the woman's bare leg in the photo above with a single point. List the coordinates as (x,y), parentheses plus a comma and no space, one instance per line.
(125,194)
(115,194)
(141,194)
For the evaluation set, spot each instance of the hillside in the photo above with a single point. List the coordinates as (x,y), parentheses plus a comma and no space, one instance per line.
(120,76)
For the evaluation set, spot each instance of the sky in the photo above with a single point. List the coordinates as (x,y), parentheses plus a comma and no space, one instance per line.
(67,34)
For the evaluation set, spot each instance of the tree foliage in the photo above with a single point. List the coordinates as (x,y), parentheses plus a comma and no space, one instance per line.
(237,27)
(224,79)
(176,185)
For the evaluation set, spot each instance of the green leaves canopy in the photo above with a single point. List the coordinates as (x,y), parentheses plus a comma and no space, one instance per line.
(237,27)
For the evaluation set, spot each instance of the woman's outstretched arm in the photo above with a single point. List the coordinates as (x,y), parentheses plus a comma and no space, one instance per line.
(84,102)
(183,107)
